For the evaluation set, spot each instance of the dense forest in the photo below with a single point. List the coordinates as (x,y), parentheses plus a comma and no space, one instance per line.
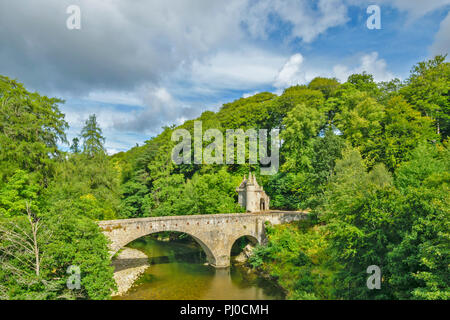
(369,161)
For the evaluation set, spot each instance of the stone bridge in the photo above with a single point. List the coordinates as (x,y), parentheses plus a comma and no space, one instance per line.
(215,233)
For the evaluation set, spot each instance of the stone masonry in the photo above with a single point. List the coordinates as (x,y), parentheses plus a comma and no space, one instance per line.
(251,195)
(215,233)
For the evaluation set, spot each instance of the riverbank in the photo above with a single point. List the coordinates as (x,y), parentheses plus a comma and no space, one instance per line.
(128,265)
(242,260)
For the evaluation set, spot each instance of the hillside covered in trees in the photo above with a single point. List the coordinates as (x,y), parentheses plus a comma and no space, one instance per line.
(370,161)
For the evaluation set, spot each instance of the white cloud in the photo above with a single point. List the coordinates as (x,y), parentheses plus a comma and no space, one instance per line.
(297,70)
(115,97)
(241,69)
(441,43)
(161,108)
(291,73)
(415,9)
(249,94)
(368,63)
(418,8)
(122,46)
(308,19)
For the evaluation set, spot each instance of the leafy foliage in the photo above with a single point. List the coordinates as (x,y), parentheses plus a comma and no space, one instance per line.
(92,137)
(31,126)
(428,89)
(296,255)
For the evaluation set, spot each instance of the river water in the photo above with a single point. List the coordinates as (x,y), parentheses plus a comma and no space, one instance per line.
(178,272)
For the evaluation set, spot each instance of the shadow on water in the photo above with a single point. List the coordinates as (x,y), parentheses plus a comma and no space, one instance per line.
(137,262)
(178,271)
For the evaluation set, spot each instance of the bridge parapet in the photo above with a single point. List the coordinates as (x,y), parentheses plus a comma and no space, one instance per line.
(216,233)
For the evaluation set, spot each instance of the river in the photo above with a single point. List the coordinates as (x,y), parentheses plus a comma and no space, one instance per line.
(178,272)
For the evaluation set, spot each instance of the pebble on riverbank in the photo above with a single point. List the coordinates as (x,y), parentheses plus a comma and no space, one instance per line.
(128,265)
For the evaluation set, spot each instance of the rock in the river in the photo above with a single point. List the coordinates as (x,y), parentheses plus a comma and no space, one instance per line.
(128,265)
(245,254)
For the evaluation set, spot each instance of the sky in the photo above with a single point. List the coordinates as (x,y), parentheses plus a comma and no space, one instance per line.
(141,65)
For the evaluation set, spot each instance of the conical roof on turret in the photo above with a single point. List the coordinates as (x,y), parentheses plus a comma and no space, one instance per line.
(250,178)
(255,182)
(251,181)
(243,183)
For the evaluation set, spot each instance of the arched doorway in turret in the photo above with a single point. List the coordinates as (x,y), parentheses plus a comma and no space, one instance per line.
(262,204)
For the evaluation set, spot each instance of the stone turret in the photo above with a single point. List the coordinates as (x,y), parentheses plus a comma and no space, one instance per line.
(251,195)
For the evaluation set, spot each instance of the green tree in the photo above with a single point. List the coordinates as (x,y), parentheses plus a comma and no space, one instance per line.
(211,193)
(428,89)
(419,263)
(16,193)
(297,256)
(364,82)
(302,125)
(287,190)
(133,199)
(389,89)
(327,150)
(404,129)
(92,182)
(31,126)
(362,126)
(36,252)
(358,210)
(75,146)
(326,85)
(78,241)
(93,141)
(278,108)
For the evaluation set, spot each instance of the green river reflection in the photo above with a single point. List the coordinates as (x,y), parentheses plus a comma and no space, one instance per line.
(177,272)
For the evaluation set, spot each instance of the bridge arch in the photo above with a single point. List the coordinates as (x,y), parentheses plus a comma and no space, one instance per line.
(249,237)
(209,254)
(239,243)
